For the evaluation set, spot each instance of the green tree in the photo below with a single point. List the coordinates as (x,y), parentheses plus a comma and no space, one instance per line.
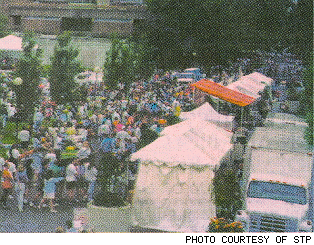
(302,45)
(302,30)
(3,25)
(143,62)
(227,193)
(28,72)
(64,68)
(307,102)
(121,64)
(215,32)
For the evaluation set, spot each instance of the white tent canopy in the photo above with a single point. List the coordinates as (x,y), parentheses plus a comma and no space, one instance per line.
(174,184)
(207,112)
(193,142)
(11,43)
(251,84)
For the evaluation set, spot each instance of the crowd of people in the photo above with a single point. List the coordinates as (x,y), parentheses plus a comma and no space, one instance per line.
(59,154)
(57,157)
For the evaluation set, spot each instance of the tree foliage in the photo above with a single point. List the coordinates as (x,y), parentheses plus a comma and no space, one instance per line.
(125,63)
(307,102)
(3,25)
(64,68)
(302,30)
(215,32)
(227,193)
(28,68)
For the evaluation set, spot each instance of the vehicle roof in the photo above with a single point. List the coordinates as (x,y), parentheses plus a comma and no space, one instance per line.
(186,80)
(192,69)
(281,132)
(293,168)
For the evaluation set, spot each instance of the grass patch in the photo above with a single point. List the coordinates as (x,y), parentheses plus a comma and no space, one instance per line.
(9,133)
(3,152)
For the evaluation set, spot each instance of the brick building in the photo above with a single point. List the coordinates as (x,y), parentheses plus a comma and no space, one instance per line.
(95,17)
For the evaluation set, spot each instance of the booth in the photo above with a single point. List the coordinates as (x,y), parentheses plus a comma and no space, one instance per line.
(174,190)
(207,112)
(10,47)
(251,84)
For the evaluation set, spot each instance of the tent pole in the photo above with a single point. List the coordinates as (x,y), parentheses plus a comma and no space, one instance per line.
(241,122)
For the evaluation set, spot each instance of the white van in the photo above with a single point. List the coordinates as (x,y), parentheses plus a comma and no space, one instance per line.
(277,178)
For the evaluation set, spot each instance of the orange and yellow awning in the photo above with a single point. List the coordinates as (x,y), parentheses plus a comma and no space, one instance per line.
(223,92)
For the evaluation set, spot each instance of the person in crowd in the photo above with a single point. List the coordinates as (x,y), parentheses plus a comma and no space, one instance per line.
(21,182)
(81,191)
(14,154)
(7,185)
(59,229)
(49,190)
(90,176)
(24,137)
(70,227)
(38,118)
(36,165)
(2,162)
(84,151)
(12,168)
(71,180)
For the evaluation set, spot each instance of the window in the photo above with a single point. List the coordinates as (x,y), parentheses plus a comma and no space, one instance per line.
(277,191)
(76,24)
(17,20)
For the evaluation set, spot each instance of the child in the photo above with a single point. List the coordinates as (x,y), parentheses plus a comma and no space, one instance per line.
(7,184)
(49,190)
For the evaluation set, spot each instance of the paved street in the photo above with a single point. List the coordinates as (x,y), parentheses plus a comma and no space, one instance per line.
(33,220)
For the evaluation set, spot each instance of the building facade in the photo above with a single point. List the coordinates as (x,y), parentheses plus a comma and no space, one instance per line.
(99,18)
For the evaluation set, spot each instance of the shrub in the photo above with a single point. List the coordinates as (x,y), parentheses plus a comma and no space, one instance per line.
(221,225)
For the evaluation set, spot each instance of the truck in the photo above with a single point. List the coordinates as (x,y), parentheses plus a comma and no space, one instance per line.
(277,173)
(198,75)
(189,75)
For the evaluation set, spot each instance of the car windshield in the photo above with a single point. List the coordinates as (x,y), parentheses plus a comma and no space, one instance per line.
(277,191)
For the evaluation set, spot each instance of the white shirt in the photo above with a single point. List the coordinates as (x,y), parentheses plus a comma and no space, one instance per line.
(116,116)
(84,152)
(123,135)
(2,162)
(53,131)
(24,136)
(12,168)
(51,156)
(11,111)
(15,153)
(103,129)
(38,116)
(137,132)
(57,142)
(90,174)
(134,139)
(83,132)
(71,173)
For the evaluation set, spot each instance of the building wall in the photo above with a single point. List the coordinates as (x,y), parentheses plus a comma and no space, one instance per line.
(42,25)
(46,17)
(107,27)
